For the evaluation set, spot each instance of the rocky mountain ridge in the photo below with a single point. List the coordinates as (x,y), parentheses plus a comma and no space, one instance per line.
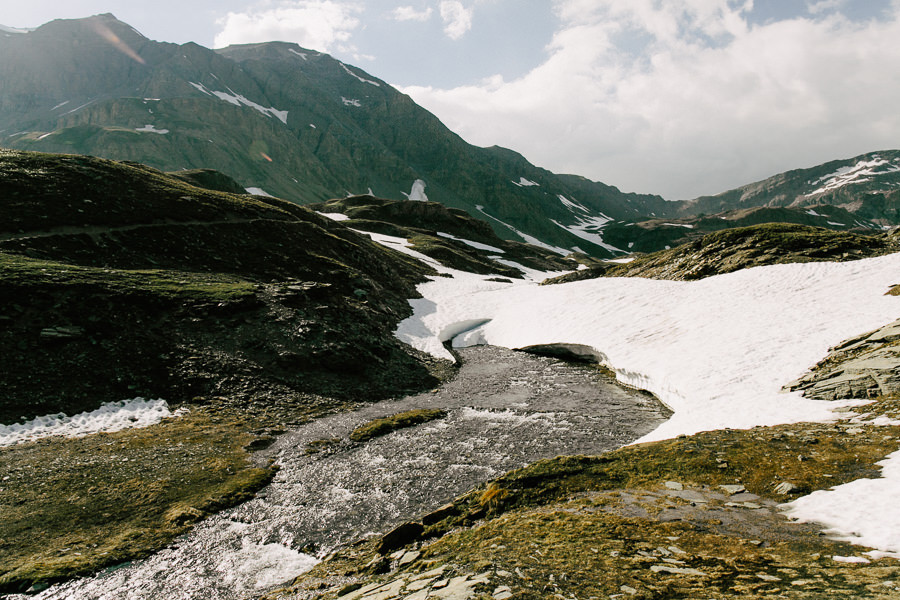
(300,125)
(865,185)
(292,122)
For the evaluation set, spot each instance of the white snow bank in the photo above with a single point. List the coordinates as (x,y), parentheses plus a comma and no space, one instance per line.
(151,129)
(234,98)
(861,512)
(417,193)
(522,182)
(111,416)
(528,238)
(685,225)
(258,192)
(335,216)
(572,205)
(861,172)
(476,245)
(716,351)
(590,228)
(362,79)
(587,227)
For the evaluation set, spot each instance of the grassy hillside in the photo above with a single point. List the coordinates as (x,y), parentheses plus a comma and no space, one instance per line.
(119,281)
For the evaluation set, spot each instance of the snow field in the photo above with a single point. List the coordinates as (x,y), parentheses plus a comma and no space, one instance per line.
(716,351)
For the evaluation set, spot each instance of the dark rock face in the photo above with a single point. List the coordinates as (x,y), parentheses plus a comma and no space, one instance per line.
(120,281)
(210,179)
(400,536)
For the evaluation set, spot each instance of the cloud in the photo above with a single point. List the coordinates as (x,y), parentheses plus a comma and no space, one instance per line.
(409,13)
(317,24)
(457,18)
(822,6)
(685,98)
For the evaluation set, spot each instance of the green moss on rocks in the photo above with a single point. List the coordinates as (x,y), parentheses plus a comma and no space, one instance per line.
(386,425)
(73,506)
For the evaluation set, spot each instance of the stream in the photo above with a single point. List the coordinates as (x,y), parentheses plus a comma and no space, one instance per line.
(505,409)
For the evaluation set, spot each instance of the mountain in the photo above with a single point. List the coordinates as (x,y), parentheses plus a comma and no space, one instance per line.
(300,125)
(868,186)
(281,120)
(739,248)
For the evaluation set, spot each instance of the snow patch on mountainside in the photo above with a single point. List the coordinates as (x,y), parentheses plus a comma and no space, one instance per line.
(525,182)
(527,238)
(861,172)
(88,103)
(586,227)
(354,75)
(258,192)
(111,416)
(589,228)
(476,245)
(335,216)
(151,129)
(300,54)
(685,225)
(572,205)
(417,193)
(233,97)
(351,102)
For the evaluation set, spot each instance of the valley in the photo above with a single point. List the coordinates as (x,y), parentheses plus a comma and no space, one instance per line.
(271,330)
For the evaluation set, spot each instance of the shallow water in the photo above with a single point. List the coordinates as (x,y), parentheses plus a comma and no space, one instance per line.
(505,410)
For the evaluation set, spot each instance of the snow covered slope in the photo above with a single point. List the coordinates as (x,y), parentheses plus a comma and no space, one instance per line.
(717,351)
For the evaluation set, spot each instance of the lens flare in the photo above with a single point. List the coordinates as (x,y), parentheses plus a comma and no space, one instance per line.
(107,34)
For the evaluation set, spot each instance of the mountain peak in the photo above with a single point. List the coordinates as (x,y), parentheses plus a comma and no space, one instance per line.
(10,30)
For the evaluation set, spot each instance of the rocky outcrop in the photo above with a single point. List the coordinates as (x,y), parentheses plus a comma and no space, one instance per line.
(862,367)
(745,247)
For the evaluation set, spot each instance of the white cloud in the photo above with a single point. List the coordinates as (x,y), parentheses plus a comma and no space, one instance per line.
(316,24)
(821,6)
(409,13)
(457,18)
(685,98)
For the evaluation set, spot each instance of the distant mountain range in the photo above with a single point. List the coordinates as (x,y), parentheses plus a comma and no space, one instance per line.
(300,125)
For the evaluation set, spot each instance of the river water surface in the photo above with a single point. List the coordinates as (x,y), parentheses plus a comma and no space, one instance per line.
(505,409)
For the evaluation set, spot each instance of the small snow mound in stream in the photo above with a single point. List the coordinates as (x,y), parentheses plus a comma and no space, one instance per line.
(259,566)
(111,416)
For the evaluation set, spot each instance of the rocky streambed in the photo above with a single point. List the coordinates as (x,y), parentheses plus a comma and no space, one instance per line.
(503,410)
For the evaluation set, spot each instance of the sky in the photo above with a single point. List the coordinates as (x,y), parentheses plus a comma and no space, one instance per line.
(680,98)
